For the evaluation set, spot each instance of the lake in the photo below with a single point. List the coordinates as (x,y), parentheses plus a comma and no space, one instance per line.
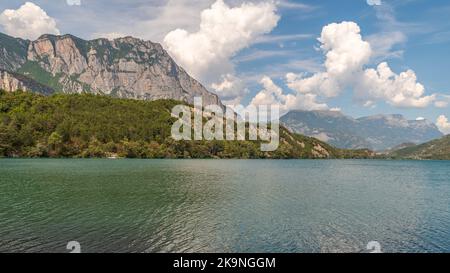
(224,205)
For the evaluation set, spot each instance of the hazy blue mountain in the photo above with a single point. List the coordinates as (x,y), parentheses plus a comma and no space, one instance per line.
(380,132)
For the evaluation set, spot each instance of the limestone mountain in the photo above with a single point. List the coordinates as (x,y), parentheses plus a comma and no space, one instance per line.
(124,67)
(13,52)
(10,82)
(380,132)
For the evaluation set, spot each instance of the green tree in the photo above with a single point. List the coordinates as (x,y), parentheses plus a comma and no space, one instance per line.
(55,141)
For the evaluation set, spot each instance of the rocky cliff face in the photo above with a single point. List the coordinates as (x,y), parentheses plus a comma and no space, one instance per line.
(381,132)
(11,82)
(125,67)
(13,52)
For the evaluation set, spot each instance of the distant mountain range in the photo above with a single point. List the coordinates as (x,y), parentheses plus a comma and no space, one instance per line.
(438,149)
(124,67)
(379,133)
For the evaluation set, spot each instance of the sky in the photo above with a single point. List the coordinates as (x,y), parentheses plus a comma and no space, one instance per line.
(361,57)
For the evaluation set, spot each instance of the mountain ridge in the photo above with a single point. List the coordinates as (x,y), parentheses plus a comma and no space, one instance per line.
(379,132)
(125,67)
(438,149)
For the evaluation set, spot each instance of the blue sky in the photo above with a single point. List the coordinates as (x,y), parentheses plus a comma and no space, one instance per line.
(279,38)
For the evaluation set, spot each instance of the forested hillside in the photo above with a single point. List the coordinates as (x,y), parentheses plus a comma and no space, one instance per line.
(438,149)
(32,125)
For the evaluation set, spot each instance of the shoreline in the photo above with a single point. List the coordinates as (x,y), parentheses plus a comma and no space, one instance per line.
(227,159)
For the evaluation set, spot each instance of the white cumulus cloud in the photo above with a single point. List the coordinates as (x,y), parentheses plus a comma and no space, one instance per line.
(374,2)
(347,56)
(346,52)
(223,32)
(231,89)
(400,90)
(443,124)
(272,94)
(28,21)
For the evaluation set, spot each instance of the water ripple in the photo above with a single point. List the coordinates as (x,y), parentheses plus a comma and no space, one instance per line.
(224,205)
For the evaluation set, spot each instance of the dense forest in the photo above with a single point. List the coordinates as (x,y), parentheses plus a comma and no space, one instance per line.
(61,125)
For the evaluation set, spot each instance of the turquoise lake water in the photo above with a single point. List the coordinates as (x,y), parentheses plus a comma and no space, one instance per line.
(224,205)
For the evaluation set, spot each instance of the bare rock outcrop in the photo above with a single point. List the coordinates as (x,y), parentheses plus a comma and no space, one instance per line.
(125,67)
(12,82)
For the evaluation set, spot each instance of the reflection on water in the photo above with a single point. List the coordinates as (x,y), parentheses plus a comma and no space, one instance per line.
(224,205)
